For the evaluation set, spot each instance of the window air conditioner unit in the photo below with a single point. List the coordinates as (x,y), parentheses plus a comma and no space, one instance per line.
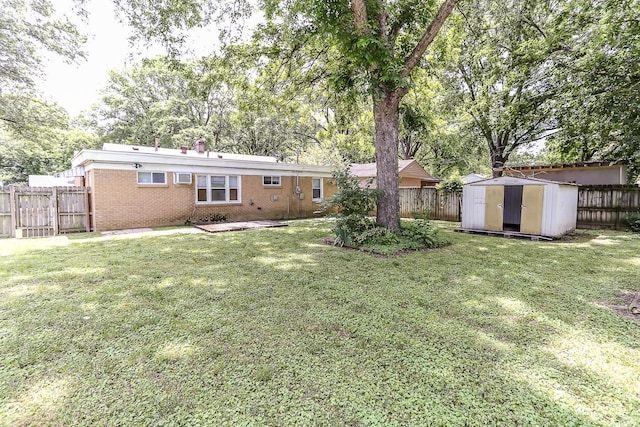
(182,178)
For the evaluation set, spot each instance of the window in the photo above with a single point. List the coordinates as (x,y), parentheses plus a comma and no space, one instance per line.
(152,178)
(316,188)
(217,189)
(182,178)
(270,180)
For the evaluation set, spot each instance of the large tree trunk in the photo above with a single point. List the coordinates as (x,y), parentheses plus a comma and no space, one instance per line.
(386,118)
(497,160)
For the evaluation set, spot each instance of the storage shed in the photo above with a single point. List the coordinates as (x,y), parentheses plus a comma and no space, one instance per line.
(526,206)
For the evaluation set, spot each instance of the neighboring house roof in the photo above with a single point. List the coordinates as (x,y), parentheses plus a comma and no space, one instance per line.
(472,177)
(513,180)
(598,172)
(117,156)
(556,166)
(406,168)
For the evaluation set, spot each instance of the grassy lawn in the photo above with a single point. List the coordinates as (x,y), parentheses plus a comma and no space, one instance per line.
(272,327)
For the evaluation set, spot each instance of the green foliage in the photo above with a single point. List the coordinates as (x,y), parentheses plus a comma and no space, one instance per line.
(28,31)
(634,222)
(41,142)
(348,229)
(500,78)
(178,103)
(421,233)
(352,198)
(413,235)
(451,185)
(598,106)
(352,204)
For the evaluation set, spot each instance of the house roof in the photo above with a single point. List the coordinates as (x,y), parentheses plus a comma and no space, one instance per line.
(120,156)
(570,165)
(406,168)
(189,153)
(472,177)
(512,180)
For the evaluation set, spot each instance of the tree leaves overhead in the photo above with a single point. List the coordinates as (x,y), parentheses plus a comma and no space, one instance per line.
(175,102)
(599,106)
(169,21)
(501,76)
(27,30)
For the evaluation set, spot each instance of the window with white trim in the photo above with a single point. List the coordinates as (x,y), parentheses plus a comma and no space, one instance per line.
(217,188)
(316,189)
(270,180)
(182,178)
(157,178)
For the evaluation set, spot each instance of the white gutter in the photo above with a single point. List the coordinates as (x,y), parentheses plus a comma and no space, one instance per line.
(100,159)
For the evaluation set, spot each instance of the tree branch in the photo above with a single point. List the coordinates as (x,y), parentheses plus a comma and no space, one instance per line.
(382,25)
(427,38)
(359,8)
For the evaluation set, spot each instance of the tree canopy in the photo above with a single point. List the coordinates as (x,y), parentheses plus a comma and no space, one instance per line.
(342,82)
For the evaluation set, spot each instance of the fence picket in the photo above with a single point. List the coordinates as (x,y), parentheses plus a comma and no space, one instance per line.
(43,211)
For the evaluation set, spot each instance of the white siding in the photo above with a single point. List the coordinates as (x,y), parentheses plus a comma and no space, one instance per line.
(473,207)
(548,217)
(566,209)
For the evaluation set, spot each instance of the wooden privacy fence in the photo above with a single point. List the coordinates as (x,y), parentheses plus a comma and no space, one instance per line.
(607,206)
(436,203)
(43,211)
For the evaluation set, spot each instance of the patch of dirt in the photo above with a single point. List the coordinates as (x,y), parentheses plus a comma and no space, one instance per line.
(627,304)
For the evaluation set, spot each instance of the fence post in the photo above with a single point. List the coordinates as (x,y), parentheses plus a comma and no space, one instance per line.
(13,206)
(56,214)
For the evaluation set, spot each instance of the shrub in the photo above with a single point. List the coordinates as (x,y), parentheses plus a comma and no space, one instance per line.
(634,222)
(352,204)
(351,198)
(452,185)
(421,232)
(413,235)
(348,228)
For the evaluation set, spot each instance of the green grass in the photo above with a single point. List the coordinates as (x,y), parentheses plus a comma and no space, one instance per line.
(272,327)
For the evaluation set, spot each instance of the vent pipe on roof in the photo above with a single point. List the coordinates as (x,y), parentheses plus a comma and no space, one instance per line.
(184,149)
(199,146)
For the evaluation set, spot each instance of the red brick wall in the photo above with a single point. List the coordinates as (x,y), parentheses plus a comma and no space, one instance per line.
(119,202)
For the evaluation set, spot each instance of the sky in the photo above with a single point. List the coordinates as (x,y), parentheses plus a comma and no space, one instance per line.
(76,87)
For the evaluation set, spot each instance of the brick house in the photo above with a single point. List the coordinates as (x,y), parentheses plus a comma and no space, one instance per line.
(410,174)
(135,186)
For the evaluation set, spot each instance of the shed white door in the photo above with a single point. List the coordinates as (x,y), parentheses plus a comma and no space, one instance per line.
(493,210)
